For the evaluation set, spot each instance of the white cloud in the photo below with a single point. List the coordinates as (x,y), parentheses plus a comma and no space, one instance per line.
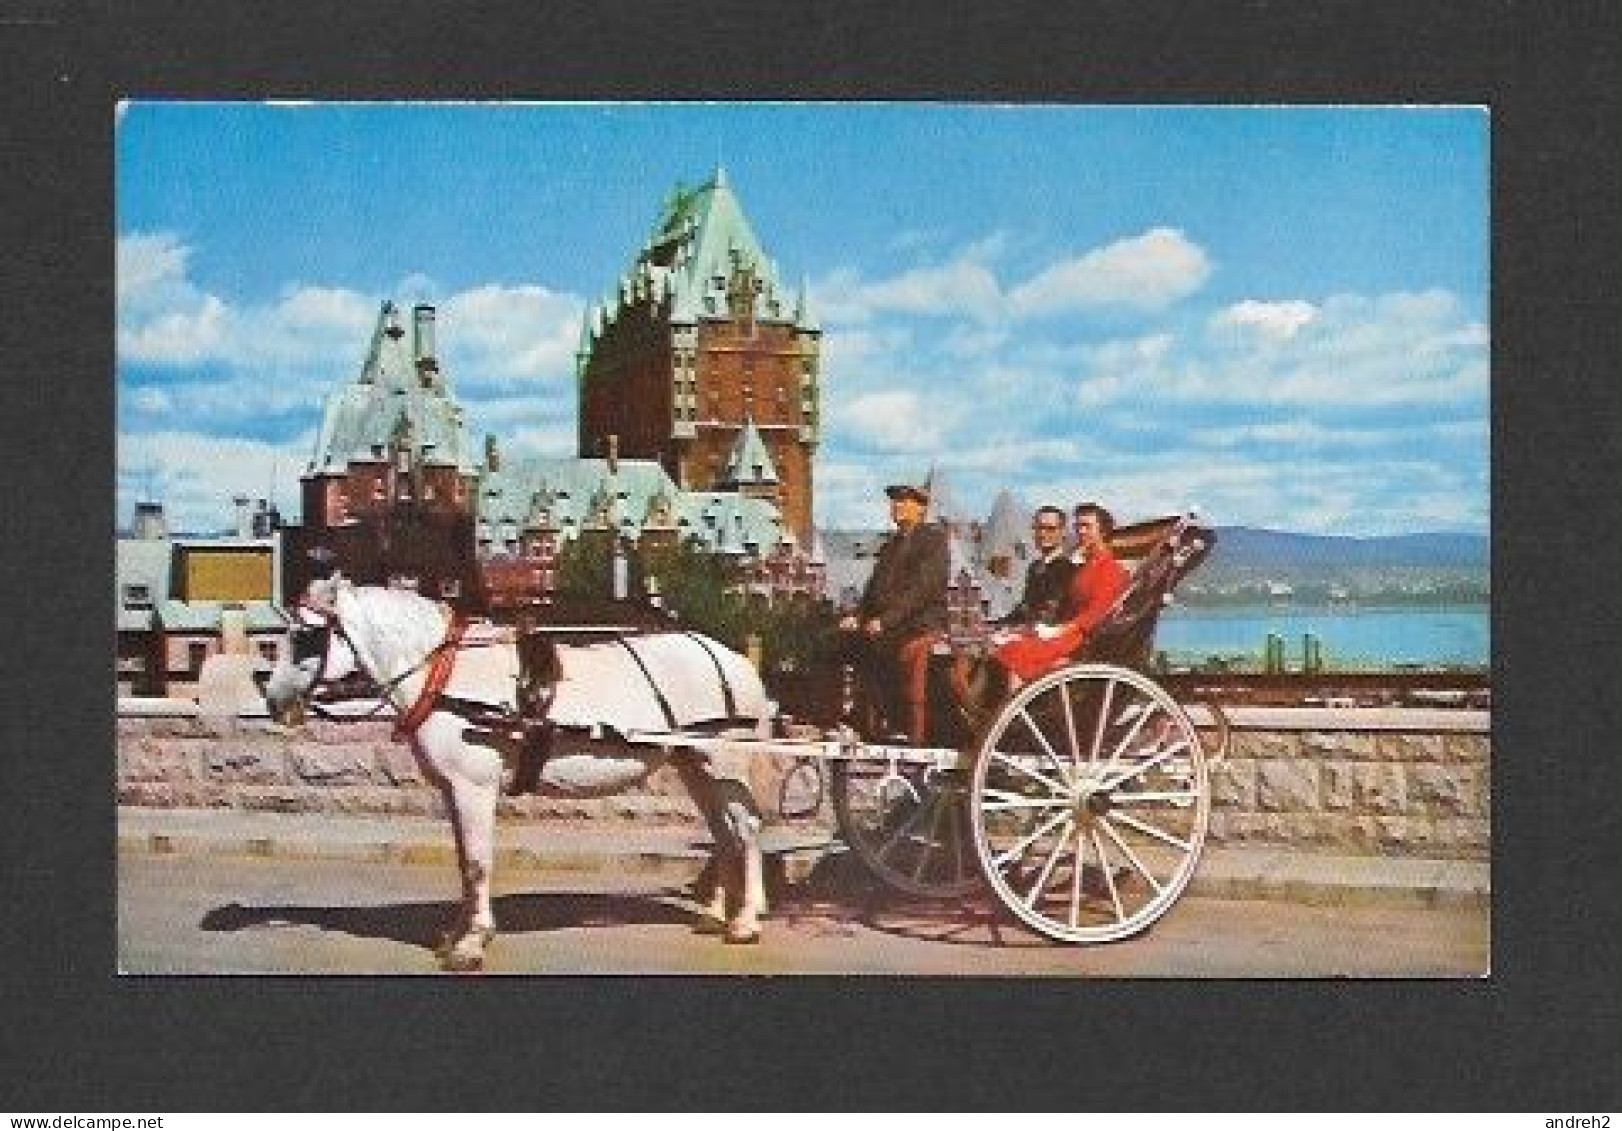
(152,400)
(1315,434)
(894,421)
(230,366)
(196,475)
(178,338)
(1145,272)
(500,335)
(1150,271)
(963,287)
(143,261)
(1275,321)
(1354,352)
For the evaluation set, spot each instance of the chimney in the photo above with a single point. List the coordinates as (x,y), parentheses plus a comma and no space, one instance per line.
(244,519)
(613,454)
(149,523)
(427,354)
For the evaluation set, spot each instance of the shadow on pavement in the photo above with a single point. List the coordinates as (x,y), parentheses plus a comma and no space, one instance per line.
(839,886)
(422,924)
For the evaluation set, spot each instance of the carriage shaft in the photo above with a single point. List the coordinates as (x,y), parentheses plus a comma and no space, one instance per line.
(825,750)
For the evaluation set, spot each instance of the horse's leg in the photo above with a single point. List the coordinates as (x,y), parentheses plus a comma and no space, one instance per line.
(472,777)
(743,818)
(701,787)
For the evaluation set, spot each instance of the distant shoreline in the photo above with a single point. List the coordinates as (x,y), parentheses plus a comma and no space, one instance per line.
(1254,608)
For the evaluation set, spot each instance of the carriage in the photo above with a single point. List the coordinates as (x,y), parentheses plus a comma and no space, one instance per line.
(1080,800)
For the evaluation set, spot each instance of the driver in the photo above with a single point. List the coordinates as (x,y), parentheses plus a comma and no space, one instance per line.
(903,609)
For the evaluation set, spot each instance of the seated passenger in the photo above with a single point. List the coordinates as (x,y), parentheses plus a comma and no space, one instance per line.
(1046,597)
(1094,589)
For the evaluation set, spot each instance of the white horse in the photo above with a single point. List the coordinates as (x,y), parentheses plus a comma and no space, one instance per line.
(442,686)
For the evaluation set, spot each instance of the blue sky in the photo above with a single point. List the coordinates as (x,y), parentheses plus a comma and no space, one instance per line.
(1279,315)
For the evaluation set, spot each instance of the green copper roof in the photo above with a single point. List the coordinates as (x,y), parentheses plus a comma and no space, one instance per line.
(728,523)
(389,398)
(749,463)
(206,616)
(699,243)
(571,495)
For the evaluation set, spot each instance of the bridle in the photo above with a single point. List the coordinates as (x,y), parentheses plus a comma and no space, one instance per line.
(328,626)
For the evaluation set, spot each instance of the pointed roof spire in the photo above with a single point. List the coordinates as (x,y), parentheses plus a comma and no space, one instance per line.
(750,461)
(804,317)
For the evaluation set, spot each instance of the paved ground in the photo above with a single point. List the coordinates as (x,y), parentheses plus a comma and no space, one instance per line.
(368,906)
(1224,872)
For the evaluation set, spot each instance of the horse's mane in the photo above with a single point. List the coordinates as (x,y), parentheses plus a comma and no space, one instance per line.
(397,627)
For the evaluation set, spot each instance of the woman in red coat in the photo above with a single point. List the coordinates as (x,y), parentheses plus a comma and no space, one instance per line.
(1093,592)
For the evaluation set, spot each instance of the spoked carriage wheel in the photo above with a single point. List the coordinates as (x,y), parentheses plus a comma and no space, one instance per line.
(909,824)
(1089,803)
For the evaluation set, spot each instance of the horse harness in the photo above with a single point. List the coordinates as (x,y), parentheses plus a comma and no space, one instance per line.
(439,661)
(539,670)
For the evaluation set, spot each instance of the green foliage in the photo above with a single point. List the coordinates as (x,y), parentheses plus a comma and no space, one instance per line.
(702,590)
(583,568)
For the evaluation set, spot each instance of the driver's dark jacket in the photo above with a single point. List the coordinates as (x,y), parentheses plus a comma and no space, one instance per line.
(907,592)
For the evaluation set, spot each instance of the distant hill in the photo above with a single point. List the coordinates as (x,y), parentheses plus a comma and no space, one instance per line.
(1239,546)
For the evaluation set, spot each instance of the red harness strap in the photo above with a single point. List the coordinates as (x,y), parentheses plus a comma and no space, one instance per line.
(439,674)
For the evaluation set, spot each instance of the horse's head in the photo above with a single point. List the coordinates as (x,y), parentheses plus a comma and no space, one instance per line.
(321,651)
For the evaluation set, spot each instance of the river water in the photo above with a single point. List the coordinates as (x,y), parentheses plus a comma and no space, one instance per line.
(1347,637)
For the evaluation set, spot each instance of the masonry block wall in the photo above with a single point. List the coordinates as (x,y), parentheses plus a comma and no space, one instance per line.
(1388,792)
(1418,790)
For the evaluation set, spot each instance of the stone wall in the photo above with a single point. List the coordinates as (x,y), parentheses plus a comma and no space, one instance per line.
(1376,782)
(187,760)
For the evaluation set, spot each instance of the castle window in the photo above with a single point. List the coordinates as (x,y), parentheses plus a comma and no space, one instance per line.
(196,653)
(267,650)
(137,597)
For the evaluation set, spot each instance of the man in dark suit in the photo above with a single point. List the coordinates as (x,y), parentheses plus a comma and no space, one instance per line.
(1046,599)
(903,608)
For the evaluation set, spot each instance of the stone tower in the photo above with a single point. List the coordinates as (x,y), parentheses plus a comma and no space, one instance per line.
(699,352)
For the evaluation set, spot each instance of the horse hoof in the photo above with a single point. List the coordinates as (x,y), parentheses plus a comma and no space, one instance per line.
(742,938)
(462,963)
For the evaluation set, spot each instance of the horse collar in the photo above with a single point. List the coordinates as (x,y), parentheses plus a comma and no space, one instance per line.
(441,660)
